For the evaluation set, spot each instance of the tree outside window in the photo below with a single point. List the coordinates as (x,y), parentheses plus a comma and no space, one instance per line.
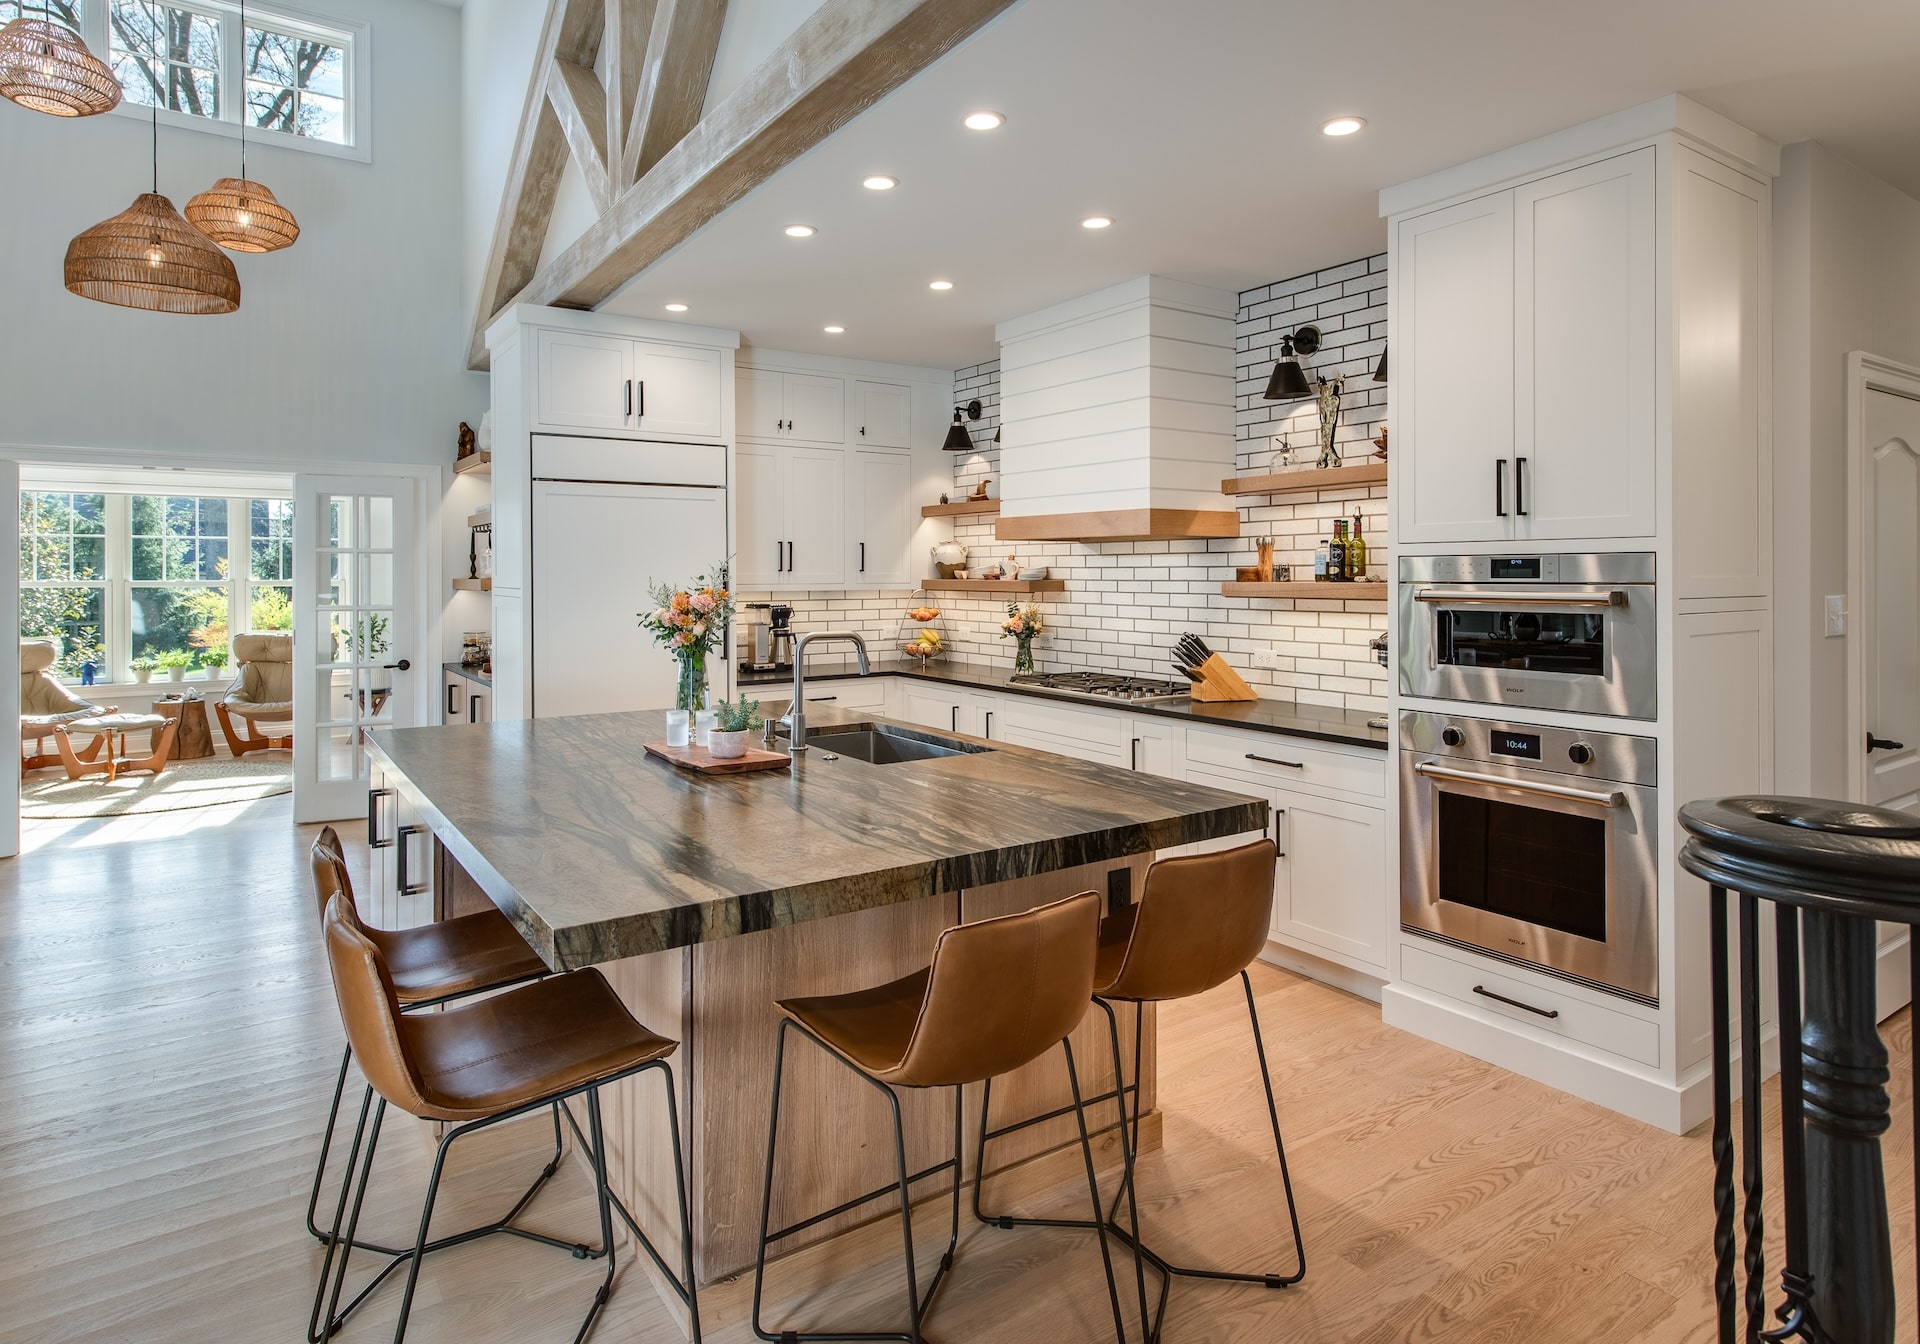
(63,566)
(296,84)
(166,56)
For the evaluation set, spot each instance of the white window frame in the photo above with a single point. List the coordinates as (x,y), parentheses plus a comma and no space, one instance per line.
(356,37)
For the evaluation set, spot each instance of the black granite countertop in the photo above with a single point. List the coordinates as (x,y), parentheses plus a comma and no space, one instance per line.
(470,673)
(1284,717)
(597,851)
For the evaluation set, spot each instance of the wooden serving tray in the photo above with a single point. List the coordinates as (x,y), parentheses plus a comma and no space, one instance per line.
(702,761)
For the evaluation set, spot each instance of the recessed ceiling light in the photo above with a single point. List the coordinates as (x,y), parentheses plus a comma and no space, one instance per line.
(1095,222)
(676,307)
(941,284)
(880,182)
(1342,125)
(985,121)
(833,331)
(800,230)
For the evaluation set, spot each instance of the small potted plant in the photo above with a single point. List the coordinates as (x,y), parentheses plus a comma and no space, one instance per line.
(142,667)
(176,661)
(213,661)
(728,740)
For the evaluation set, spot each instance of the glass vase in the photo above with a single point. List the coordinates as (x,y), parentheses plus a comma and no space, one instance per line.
(691,692)
(1023,655)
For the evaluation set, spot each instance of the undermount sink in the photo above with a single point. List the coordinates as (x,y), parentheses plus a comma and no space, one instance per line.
(890,746)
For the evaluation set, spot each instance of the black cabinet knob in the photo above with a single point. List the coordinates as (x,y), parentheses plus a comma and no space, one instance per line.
(1580,753)
(1453,737)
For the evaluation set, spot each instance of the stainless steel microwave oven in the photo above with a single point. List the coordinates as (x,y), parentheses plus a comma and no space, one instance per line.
(1567,632)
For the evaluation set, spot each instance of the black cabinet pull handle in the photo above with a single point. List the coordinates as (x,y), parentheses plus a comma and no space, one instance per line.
(863,557)
(1275,760)
(789,557)
(820,699)
(989,733)
(863,431)
(373,818)
(1520,487)
(1486,993)
(473,708)
(779,557)
(629,396)
(451,688)
(405,887)
(1133,762)
(640,400)
(1500,488)
(956,718)
(1882,744)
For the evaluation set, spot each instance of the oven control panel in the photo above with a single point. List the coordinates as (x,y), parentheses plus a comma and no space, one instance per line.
(1606,567)
(1567,751)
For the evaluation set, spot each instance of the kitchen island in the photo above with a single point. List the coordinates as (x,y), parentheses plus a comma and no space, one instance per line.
(705,898)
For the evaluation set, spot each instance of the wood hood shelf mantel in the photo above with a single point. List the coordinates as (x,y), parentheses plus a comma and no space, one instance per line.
(1120,525)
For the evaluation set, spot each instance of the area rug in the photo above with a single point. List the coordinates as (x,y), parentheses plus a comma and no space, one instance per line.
(50,795)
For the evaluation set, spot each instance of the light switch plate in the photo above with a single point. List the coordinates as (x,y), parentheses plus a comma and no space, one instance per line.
(1266,658)
(1836,615)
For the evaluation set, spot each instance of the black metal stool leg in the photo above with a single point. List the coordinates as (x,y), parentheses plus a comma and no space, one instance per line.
(1127,1155)
(326,1143)
(766,1189)
(1093,1192)
(604,1198)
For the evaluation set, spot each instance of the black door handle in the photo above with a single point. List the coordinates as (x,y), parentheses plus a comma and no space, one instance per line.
(373,818)
(406,888)
(451,688)
(789,557)
(1500,487)
(403,665)
(1133,760)
(640,411)
(956,718)
(779,557)
(989,733)
(629,396)
(1882,744)
(473,708)
(863,557)
(1485,993)
(1520,487)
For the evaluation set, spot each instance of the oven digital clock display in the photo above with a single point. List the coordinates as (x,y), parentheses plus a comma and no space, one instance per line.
(1515,567)
(1516,744)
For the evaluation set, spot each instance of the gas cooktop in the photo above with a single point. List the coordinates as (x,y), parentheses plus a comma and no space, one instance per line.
(1103,686)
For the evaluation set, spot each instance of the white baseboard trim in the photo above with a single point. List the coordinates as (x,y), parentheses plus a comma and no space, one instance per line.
(1357,983)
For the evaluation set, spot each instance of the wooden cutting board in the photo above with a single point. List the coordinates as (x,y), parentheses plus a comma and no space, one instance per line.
(702,761)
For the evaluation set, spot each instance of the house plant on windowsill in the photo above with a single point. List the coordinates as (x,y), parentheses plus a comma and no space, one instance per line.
(142,668)
(689,622)
(728,740)
(176,661)
(213,661)
(1023,625)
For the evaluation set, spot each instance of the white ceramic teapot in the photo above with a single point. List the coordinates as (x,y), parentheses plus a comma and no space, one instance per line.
(951,554)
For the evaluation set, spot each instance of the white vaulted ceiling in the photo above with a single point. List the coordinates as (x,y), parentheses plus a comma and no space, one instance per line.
(1195,126)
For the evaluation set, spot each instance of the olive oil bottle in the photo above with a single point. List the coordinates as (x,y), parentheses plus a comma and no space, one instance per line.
(1356,551)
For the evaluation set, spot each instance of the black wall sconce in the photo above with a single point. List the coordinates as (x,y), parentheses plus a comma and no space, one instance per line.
(1289,381)
(958,439)
(1380,369)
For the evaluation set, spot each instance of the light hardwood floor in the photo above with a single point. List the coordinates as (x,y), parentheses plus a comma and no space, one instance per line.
(168,1037)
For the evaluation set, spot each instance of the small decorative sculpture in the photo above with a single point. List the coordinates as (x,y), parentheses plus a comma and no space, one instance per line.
(980,490)
(1380,444)
(1329,398)
(943,496)
(469,441)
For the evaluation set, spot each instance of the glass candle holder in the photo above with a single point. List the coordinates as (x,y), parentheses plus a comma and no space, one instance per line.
(703,724)
(677,727)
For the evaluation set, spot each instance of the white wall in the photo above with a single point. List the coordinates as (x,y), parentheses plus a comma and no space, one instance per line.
(1847,277)
(498,39)
(348,347)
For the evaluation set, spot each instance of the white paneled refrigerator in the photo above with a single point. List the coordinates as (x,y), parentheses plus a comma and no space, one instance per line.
(610,519)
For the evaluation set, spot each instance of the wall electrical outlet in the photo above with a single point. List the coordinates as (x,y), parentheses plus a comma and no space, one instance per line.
(1836,615)
(1266,658)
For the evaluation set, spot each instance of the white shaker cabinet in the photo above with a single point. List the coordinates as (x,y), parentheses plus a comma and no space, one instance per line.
(880,521)
(882,415)
(805,407)
(1330,887)
(620,385)
(790,516)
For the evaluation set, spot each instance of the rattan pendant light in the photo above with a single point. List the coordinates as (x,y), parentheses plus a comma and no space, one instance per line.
(148,257)
(240,215)
(45,66)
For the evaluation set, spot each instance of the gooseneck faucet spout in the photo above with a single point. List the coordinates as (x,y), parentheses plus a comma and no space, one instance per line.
(795,719)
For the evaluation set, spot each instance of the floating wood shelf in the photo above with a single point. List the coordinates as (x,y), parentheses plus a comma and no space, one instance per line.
(1306,478)
(479,520)
(965,506)
(1014,586)
(474,464)
(1324,592)
(473,585)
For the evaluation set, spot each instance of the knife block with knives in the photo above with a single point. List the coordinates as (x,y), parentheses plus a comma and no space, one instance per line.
(1212,678)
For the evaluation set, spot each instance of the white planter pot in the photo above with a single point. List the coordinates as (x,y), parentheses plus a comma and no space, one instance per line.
(727,746)
(142,674)
(176,674)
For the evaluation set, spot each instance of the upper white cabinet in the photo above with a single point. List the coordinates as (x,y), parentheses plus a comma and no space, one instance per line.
(617,384)
(790,516)
(809,407)
(880,519)
(882,414)
(1525,376)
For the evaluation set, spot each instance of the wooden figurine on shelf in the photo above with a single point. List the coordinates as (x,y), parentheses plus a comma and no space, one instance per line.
(980,490)
(1380,444)
(469,442)
(1329,398)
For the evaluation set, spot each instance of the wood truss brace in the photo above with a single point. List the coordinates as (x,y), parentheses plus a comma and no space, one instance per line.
(657,170)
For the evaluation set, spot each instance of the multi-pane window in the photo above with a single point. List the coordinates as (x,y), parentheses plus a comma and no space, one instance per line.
(296,84)
(124,577)
(64,11)
(63,575)
(167,55)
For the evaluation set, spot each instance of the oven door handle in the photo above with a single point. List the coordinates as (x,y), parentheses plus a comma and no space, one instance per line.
(1521,600)
(1611,799)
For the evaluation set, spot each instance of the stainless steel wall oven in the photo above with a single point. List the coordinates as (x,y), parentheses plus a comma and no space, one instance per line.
(1532,844)
(1566,632)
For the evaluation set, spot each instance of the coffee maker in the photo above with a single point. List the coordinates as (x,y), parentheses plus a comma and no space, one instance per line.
(768,646)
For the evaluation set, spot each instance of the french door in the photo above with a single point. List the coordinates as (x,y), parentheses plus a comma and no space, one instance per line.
(355,624)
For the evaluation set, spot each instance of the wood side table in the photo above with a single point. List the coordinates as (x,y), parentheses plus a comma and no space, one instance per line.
(194,739)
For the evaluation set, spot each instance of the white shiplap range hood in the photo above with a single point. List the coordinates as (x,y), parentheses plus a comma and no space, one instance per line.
(1117,416)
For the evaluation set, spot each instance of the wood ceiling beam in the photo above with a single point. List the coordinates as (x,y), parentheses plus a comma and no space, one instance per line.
(672,85)
(571,32)
(629,33)
(581,105)
(847,56)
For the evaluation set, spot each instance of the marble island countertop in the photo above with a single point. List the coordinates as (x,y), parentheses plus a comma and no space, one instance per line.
(597,851)
(1285,717)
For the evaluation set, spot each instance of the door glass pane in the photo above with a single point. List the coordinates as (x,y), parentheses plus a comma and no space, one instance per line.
(379,535)
(379,575)
(337,754)
(339,530)
(336,583)
(1527,863)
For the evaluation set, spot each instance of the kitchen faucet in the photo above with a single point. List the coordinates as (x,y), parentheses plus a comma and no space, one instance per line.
(795,719)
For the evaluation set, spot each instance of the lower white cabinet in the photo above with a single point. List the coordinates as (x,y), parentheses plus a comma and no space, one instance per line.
(1157,747)
(464,700)
(845,693)
(952,709)
(399,859)
(1086,734)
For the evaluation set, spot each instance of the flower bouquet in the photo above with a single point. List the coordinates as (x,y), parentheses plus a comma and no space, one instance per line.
(689,622)
(1022,625)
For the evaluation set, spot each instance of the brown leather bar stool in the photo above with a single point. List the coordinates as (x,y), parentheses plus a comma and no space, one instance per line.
(998,994)
(429,966)
(477,1064)
(1200,921)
